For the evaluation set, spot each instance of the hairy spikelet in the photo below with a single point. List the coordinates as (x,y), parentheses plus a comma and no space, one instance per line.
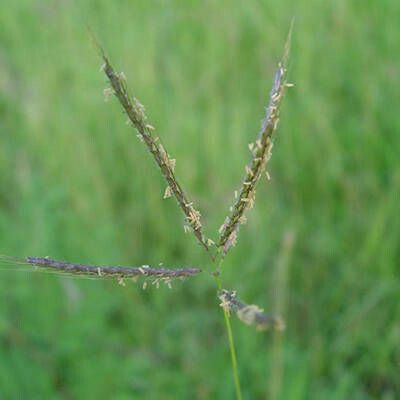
(249,314)
(261,153)
(137,117)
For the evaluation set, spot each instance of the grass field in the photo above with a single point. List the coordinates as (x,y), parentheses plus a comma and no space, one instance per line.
(322,245)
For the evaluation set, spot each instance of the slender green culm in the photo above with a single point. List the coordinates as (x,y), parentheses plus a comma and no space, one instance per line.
(232,348)
(231,341)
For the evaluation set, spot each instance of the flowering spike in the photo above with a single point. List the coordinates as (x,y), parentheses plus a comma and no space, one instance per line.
(261,152)
(136,113)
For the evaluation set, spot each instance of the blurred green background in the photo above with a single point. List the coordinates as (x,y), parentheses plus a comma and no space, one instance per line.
(321,246)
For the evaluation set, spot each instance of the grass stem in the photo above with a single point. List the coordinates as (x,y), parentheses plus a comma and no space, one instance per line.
(232,348)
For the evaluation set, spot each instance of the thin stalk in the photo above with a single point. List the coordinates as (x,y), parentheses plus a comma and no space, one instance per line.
(232,348)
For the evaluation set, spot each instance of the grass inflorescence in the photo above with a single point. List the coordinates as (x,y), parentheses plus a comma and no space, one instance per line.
(261,153)
(216,250)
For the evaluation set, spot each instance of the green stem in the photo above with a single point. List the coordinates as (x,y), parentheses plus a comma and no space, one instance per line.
(235,370)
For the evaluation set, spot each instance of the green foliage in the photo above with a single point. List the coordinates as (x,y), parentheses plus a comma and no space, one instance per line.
(77,185)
